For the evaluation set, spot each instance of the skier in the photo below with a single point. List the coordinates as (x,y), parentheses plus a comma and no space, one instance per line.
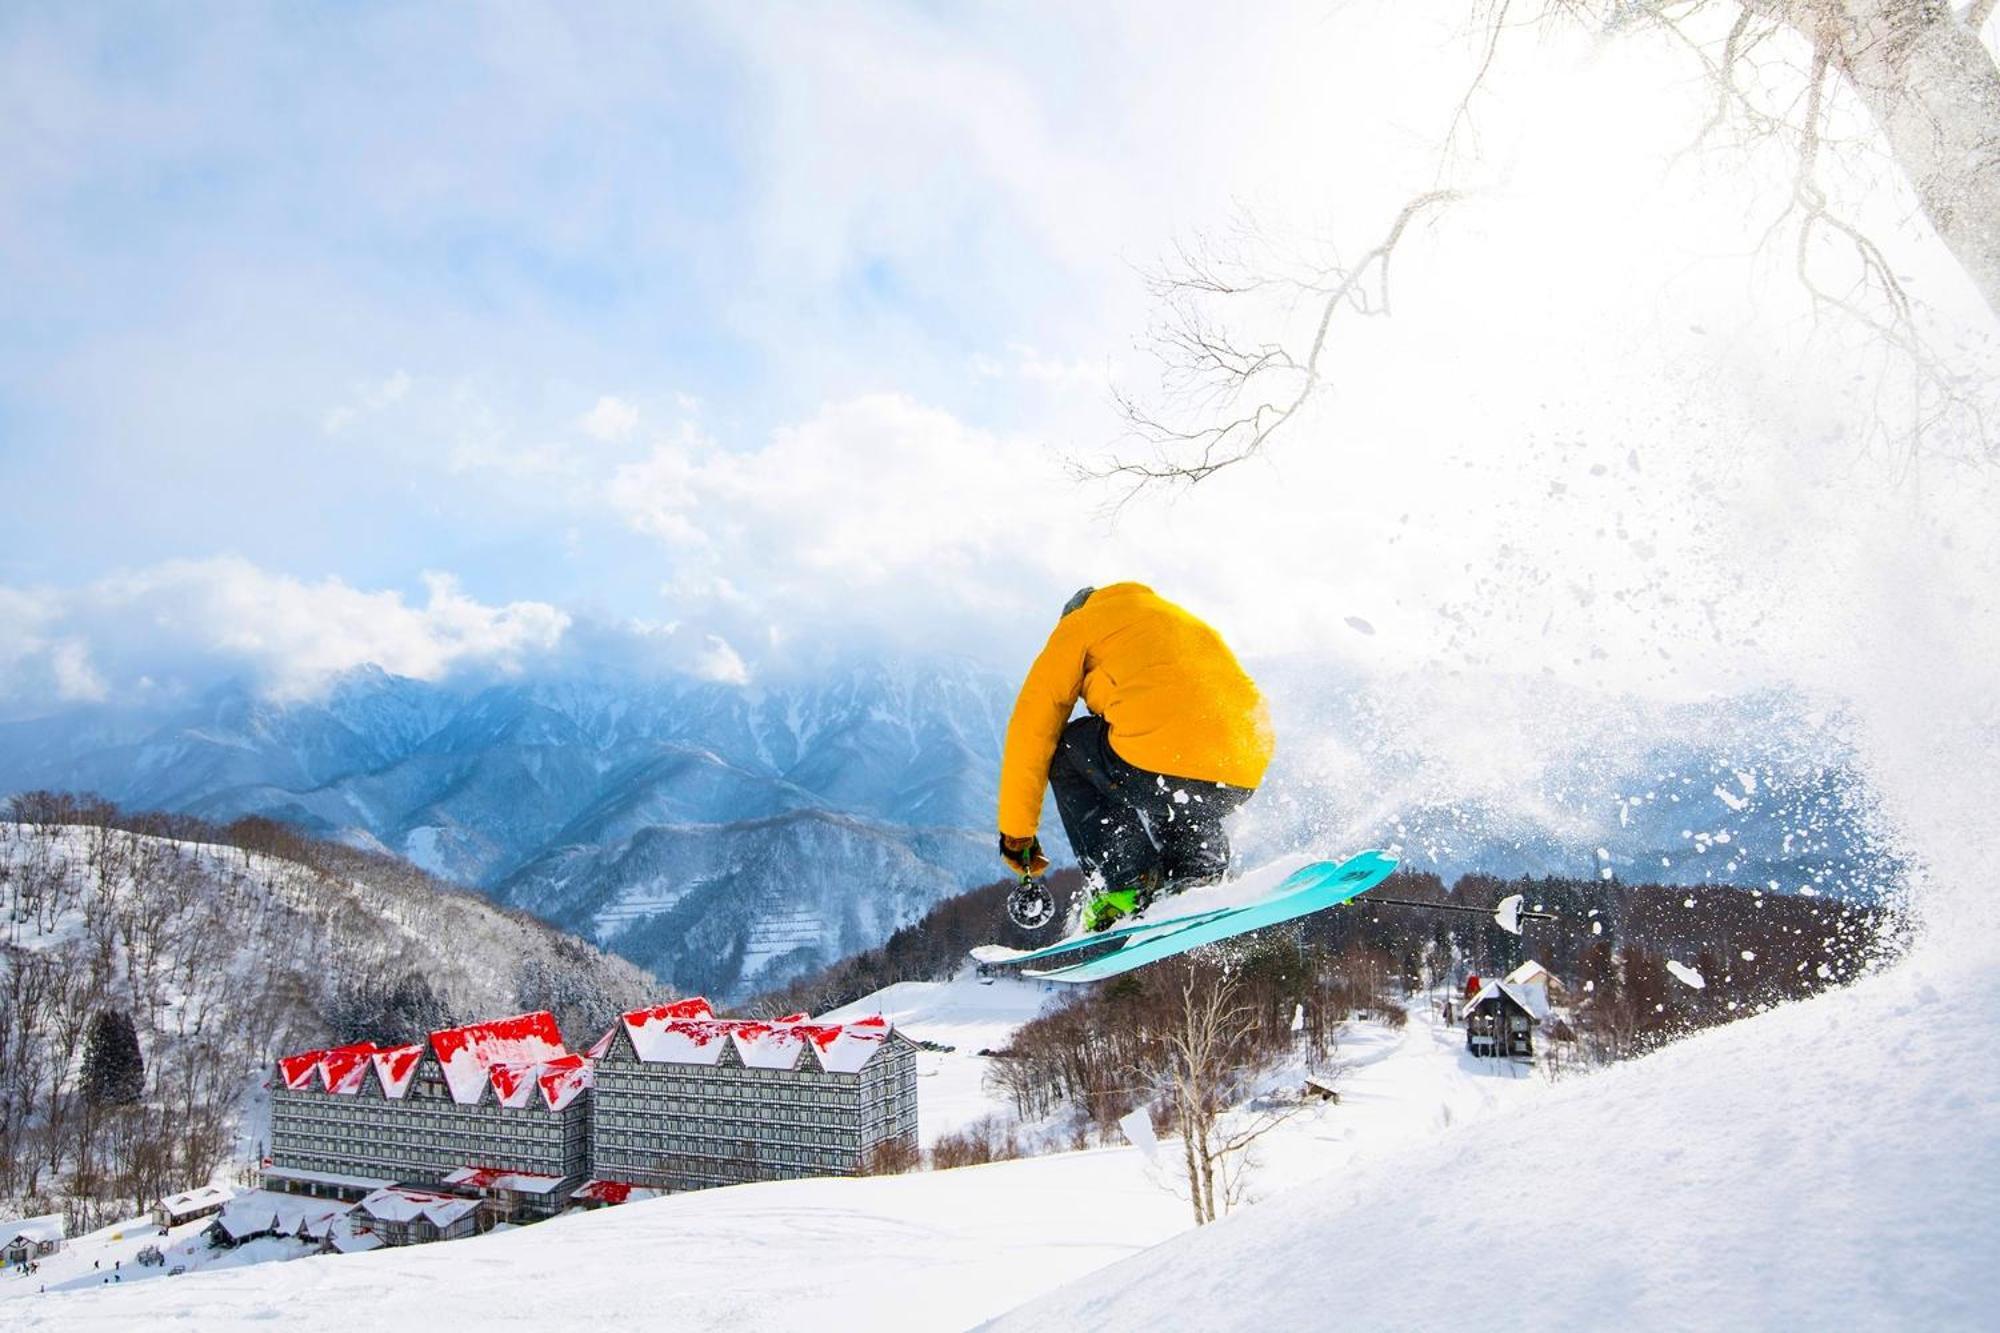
(1176,739)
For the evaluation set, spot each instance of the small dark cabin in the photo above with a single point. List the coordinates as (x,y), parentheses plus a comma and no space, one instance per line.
(1500,1020)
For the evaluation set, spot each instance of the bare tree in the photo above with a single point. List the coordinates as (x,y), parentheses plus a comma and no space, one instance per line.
(1918,69)
(1226,396)
(1205,1074)
(1929,84)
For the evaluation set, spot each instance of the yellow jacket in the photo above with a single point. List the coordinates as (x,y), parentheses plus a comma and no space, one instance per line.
(1174,695)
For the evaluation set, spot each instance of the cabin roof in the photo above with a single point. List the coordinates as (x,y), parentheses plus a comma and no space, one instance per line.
(1529,998)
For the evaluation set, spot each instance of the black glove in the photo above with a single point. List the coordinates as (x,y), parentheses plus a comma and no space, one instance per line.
(1023,855)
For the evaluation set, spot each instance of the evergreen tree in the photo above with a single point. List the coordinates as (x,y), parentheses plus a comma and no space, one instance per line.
(566,986)
(114,1073)
(378,1009)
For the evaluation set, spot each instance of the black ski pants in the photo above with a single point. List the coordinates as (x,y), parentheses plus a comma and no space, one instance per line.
(1123,821)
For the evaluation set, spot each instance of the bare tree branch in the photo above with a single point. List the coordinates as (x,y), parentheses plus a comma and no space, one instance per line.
(1231,382)
(1495,29)
(1226,394)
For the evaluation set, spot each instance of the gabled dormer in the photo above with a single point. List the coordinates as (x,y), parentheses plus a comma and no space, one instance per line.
(618,1045)
(427,1083)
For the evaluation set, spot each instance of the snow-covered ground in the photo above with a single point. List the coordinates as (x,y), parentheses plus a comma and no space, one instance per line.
(930,1250)
(1829,1164)
(109,1257)
(966,1014)
(1826,1163)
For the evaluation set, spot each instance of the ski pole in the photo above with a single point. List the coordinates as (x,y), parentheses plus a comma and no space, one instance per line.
(1508,914)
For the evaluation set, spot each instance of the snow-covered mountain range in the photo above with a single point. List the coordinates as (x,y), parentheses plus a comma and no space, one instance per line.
(729,837)
(718,834)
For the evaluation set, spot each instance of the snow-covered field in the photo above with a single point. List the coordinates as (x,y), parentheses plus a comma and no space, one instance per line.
(1826,1163)
(931,1250)
(1829,1164)
(109,1258)
(967,1015)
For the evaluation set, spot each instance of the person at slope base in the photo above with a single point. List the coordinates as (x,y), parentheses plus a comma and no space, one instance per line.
(1176,740)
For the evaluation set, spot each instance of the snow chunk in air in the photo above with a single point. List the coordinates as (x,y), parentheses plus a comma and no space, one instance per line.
(1686,975)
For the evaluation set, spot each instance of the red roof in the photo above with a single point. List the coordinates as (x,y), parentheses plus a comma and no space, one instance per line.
(522,1056)
(693,1007)
(395,1065)
(511,1054)
(294,1069)
(516,1056)
(688,1032)
(499,1177)
(522,1039)
(611,1191)
(338,1068)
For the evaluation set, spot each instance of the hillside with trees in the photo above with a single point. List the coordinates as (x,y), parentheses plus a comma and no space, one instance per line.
(1640,965)
(152,967)
(1754,947)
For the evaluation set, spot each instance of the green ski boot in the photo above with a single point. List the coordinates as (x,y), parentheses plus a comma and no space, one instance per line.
(1109,908)
(1106,909)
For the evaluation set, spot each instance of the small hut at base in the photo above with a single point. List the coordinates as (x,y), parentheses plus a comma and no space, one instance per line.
(204,1202)
(1500,1019)
(31,1239)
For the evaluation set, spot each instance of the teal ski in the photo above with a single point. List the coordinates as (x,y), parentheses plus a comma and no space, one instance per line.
(1313,889)
(1309,889)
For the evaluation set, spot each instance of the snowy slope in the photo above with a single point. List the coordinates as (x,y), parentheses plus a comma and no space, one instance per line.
(967,1015)
(246,923)
(109,1256)
(938,1250)
(929,1251)
(1828,1164)
(226,958)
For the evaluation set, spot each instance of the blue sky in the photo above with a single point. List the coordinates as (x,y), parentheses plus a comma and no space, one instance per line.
(234,222)
(692,335)
(360,295)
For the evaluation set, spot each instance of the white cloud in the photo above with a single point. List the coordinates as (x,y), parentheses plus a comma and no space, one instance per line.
(652,649)
(612,419)
(366,400)
(76,679)
(22,616)
(25,650)
(1034,366)
(875,513)
(185,620)
(863,491)
(720,662)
